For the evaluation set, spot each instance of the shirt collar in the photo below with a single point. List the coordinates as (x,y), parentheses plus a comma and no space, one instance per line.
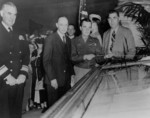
(81,38)
(61,35)
(116,29)
(6,27)
(71,37)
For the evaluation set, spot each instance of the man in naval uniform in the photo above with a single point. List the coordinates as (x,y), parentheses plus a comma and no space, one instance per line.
(14,60)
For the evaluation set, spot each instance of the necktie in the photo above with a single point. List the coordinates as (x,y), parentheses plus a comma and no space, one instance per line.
(10,30)
(64,39)
(112,40)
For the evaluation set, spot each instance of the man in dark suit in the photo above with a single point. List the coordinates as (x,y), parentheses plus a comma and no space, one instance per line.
(118,41)
(57,62)
(14,61)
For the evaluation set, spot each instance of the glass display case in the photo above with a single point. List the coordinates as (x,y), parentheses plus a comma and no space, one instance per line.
(112,91)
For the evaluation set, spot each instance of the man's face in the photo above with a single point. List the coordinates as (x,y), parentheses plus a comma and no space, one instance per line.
(71,30)
(86,28)
(113,20)
(62,25)
(94,27)
(9,14)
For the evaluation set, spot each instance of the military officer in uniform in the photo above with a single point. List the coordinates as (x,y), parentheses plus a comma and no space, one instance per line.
(14,62)
(84,51)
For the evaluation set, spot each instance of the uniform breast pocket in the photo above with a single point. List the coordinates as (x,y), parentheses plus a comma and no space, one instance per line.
(92,44)
(92,47)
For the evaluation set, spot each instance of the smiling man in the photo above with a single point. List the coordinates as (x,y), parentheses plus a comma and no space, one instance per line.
(71,31)
(118,41)
(84,50)
(57,62)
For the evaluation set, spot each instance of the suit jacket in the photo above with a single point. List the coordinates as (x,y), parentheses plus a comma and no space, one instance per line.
(124,44)
(57,59)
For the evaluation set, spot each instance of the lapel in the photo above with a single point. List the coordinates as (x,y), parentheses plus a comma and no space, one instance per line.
(4,31)
(5,35)
(68,45)
(59,39)
(107,40)
(119,37)
(118,33)
(119,43)
(60,45)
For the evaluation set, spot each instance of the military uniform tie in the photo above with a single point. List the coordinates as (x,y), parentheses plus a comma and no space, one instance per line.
(112,40)
(10,32)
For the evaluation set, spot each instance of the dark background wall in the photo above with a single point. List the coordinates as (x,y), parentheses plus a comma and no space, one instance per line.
(46,12)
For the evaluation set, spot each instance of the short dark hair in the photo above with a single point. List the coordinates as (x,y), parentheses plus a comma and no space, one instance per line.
(96,20)
(113,11)
(72,25)
(86,20)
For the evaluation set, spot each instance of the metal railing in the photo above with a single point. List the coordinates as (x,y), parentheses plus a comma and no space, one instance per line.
(75,102)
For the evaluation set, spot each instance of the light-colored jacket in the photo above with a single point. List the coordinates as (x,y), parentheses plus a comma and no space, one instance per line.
(124,45)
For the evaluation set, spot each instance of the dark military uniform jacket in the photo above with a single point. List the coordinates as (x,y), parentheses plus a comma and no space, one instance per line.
(81,48)
(14,54)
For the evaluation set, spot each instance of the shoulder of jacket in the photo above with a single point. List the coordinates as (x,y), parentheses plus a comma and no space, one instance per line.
(51,37)
(93,39)
(75,39)
(124,28)
(106,32)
